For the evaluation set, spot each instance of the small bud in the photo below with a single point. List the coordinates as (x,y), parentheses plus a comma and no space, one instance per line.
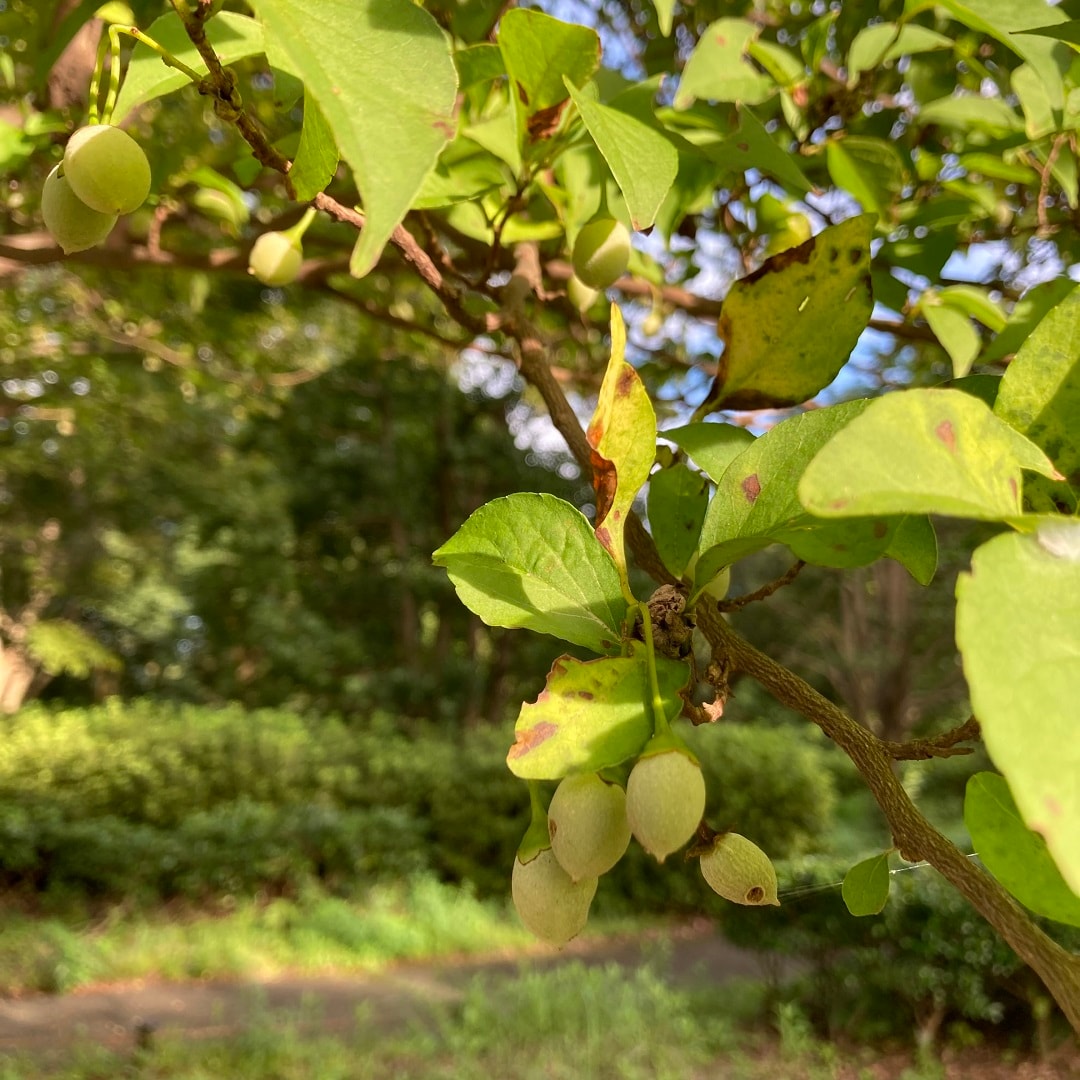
(740,871)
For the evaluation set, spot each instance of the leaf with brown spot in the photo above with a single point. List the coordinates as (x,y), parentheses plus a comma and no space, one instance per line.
(622,437)
(923,452)
(756,502)
(592,714)
(789,327)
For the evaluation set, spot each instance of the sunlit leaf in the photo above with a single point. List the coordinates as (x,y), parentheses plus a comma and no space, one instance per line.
(1018,629)
(532,561)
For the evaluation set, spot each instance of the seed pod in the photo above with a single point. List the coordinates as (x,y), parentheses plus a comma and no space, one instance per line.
(275,259)
(601,252)
(588,826)
(665,799)
(107,169)
(73,225)
(740,871)
(551,906)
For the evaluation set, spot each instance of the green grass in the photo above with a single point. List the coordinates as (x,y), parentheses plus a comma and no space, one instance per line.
(573,1022)
(409,920)
(570,1023)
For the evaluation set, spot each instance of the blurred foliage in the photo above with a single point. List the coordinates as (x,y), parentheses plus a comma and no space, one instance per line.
(222,801)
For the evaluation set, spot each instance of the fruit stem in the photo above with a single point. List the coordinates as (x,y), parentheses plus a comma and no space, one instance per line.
(536,837)
(660,720)
(296,233)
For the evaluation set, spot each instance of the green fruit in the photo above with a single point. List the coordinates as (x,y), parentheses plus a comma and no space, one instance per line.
(107,169)
(588,826)
(601,252)
(579,294)
(551,906)
(665,800)
(74,226)
(275,259)
(740,871)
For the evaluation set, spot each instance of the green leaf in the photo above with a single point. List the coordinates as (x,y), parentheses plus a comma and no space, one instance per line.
(465,171)
(711,447)
(718,69)
(1040,390)
(622,434)
(866,885)
(678,499)
(664,9)
(1069,32)
(756,502)
(923,452)
(539,53)
(592,715)
(871,170)
(876,45)
(383,77)
(954,330)
(316,158)
(789,327)
(1014,854)
(643,161)
(976,302)
(478,64)
(232,36)
(1039,119)
(532,561)
(1018,629)
(992,116)
(1006,20)
(1026,314)
(62,647)
(914,546)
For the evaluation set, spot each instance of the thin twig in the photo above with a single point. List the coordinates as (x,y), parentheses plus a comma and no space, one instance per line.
(738,602)
(934,746)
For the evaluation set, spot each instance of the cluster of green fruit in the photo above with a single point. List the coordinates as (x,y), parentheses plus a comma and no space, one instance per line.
(104,174)
(589,824)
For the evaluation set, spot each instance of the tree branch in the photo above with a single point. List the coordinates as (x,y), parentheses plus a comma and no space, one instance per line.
(943,745)
(738,602)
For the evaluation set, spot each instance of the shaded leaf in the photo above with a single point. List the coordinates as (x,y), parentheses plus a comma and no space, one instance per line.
(678,499)
(532,561)
(876,45)
(954,331)
(866,885)
(914,546)
(1014,854)
(316,158)
(592,715)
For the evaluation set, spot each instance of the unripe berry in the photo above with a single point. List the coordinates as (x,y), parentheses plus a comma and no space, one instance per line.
(740,871)
(275,259)
(588,826)
(74,226)
(601,252)
(579,294)
(107,169)
(665,800)
(551,906)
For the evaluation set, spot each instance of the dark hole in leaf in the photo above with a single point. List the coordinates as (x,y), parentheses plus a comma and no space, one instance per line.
(855,256)
(880,529)
(755,895)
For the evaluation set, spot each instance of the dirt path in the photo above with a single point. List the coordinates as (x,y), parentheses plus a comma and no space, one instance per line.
(119,1017)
